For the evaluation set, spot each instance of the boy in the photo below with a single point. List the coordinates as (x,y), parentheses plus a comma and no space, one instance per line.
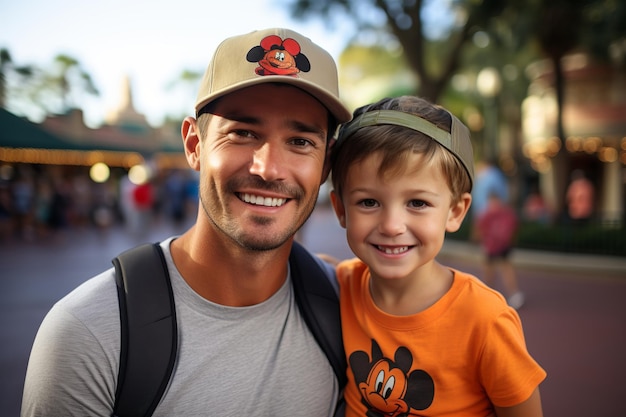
(421,338)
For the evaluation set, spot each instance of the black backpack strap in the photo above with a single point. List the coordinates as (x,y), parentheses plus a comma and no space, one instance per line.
(149,335)
(319,305)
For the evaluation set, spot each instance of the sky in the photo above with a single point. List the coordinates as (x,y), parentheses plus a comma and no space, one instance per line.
(151,42)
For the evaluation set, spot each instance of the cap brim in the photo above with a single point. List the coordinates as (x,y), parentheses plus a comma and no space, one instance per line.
(328,100)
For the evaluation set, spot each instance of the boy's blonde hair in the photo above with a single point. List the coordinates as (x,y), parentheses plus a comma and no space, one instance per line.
(394,143)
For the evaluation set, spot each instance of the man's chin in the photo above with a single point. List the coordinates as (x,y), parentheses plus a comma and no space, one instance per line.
(259,243)
(262,246)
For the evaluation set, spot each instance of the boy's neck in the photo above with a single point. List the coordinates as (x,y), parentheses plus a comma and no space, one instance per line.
(412,294)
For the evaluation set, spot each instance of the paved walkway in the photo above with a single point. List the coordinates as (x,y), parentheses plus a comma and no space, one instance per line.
(574,319)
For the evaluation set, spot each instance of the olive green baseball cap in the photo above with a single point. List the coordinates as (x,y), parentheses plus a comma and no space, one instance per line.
(274,55)
(458,141)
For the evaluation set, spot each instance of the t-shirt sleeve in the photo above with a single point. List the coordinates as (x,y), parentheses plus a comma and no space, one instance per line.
(509,372)
(69,372)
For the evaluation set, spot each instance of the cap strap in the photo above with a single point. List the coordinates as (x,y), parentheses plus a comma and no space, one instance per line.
(452,141)
(398,118)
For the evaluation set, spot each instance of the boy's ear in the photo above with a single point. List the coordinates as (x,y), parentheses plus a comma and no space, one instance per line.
(340,210)
(457,212)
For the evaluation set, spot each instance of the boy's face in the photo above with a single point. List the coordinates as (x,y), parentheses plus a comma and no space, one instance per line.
(396,224)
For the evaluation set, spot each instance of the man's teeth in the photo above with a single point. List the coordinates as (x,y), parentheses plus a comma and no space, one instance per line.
(393,251)
(263,201)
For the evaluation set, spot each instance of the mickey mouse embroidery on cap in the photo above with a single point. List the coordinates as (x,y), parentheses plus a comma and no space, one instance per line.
(276,56)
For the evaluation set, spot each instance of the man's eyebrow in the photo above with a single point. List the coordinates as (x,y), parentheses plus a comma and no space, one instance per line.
(294,125)
(238,117)
(308,128)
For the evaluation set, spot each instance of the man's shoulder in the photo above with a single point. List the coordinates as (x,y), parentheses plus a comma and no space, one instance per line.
(96,297)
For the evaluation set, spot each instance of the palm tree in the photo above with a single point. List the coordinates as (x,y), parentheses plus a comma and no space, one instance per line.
(69,79)
(8,68)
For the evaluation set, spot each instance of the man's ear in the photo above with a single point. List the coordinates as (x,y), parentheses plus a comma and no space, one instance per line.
(191,142)
(340,210)
(457,212)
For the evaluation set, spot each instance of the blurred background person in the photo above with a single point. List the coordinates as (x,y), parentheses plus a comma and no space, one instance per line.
(488,179)
(496,229)
(535,208)
(579,197)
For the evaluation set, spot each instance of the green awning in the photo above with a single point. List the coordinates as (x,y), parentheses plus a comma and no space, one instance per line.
(17,132)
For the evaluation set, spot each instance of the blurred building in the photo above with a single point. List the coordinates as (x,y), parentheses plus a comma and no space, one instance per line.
(124,140)
(594,120)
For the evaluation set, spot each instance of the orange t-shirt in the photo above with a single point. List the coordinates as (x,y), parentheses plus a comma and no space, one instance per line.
(455,358)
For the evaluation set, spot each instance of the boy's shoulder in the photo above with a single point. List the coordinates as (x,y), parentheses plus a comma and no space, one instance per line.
(478,294)
(350,267)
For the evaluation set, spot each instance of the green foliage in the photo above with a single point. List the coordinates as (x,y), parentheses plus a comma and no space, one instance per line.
(604,22)
(519,30)
(7,69)
(54,89)
(591,238)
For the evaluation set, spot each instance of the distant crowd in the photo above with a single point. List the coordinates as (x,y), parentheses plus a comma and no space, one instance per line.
(37,203)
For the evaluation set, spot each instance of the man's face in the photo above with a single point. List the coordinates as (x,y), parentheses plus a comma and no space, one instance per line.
(261,164)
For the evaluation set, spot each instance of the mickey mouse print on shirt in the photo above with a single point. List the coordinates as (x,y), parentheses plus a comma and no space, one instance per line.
(386,386)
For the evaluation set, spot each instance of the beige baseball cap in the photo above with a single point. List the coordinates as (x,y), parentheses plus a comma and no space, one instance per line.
(270,56)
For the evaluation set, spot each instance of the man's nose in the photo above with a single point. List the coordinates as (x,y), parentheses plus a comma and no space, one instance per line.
(268,162)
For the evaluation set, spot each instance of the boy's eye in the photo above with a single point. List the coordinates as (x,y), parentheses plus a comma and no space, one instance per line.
(368,202)
(417,203)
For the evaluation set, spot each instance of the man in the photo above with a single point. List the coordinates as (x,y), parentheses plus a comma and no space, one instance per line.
(267,108)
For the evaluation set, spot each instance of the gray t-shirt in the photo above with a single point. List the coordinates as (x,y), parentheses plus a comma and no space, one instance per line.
(260,360)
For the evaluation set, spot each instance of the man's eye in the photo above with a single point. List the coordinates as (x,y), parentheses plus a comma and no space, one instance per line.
(302,142)
(243,133)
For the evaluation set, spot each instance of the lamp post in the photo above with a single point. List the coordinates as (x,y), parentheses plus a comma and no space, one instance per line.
(488,84)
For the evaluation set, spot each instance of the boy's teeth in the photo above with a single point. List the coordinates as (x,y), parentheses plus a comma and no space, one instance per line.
(263,201)
(393,251)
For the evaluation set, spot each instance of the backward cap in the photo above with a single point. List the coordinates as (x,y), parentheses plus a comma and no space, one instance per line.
(457,141)
(245,60)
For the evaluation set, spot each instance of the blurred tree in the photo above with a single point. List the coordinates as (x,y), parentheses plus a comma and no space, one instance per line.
(63,85)
(565,25)
(446,43)
(186,85)
(42,91)
(8,69)
(435,36)
(432,34)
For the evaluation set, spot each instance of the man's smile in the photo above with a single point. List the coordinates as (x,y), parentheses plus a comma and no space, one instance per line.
(261,201)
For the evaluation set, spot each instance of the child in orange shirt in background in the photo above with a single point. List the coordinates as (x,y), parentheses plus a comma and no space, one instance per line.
(422,339)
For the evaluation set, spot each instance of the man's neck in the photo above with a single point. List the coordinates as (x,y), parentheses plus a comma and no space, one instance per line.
(227,274)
